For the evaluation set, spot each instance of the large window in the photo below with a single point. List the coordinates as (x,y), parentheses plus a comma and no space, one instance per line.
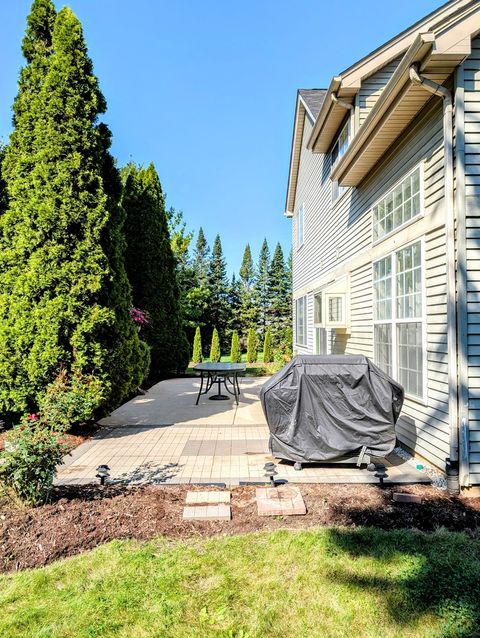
(338,150)
(398,317)
(300,226)
(399,206)
(301,321)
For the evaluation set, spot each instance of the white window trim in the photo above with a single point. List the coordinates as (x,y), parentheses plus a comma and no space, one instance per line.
(421,166)
(302,209)
(423,400)
(305,322)
(348,124)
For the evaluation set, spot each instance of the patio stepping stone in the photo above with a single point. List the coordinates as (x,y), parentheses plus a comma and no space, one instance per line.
(285,500)
(211,497)
(219,512)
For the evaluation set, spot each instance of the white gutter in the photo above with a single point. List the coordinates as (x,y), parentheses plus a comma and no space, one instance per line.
(445,94)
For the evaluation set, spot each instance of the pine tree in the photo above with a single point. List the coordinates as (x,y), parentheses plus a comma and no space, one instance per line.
(64,295)
(151,269)
(252,346)
(247,312)
(215,354)
(235,354)
(197,347)
(262,286)
(279,295)
(217,283)
(234,301)
(247,269)
(267,347)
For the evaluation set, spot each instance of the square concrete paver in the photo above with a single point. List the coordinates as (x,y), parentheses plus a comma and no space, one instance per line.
(162,437)
(219,512)
(203,498)
(285,500)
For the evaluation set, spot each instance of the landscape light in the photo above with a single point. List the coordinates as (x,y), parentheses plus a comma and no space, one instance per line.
(270,472)
(103,473)
(381,473)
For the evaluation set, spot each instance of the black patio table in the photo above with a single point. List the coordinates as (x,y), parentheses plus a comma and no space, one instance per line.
(219,373)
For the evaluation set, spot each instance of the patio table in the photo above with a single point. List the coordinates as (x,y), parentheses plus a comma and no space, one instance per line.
(211,373)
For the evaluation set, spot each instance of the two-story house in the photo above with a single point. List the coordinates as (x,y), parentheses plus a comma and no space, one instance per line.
(384,195)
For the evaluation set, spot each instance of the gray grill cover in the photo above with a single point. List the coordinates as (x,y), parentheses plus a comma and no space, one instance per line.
(323,408)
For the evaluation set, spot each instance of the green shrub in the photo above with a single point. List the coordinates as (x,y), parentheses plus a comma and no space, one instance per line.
(28,468)
(235,354)
(215,354)
(197,346)
(251,346)
(69,401)
(267,347)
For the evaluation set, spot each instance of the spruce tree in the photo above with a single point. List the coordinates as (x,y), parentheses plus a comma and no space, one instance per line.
(217,282)
(252,346)
(279,305)
(64,295)
(197,347)
(215,353)
(267,347)
(200,262)
(151,269)
(262,286)
(235,354)
(248,309)
(247,269)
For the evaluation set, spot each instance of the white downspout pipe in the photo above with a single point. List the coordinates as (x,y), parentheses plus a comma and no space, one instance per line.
(446,95)
(338,100)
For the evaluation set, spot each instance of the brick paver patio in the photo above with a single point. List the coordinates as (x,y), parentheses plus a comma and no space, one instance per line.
(163,437)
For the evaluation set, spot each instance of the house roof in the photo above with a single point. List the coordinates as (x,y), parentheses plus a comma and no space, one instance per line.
(313,99)
(309,102)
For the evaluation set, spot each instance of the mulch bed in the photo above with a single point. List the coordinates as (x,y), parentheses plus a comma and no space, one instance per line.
(80,518)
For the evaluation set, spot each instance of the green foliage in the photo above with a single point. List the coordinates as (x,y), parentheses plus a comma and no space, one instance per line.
(69,401)
(279,313)
(64,295)
(201,257)
(28,467)
(151,268)
(267,347)
(197,347)
(235,353)
(262,286)
(252,346)
(247,269)
(218,311)
(3,186)
(215,354)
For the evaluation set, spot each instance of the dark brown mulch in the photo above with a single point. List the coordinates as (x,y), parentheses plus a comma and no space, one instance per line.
(81,518)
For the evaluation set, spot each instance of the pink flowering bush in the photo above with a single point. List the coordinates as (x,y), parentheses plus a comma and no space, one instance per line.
(139,317)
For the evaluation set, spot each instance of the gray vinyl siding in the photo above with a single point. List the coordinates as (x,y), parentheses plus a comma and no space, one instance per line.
(472,192)
(338,238)
(372,87)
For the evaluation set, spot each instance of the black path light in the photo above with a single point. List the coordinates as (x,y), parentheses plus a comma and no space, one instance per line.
(270,472)
(103,473)
(381,473)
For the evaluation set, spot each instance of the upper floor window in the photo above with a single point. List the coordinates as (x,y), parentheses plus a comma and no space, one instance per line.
(300,226)
(338,150)
(400,205)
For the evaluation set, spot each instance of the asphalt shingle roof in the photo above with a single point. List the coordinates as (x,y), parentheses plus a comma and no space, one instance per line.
(313,98)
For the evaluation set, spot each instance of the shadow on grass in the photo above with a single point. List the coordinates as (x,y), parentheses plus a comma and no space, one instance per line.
(435,573)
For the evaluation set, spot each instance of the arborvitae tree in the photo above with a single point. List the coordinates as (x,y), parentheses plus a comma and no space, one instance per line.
(267,347)
(197,347)
(217,281)
(215,354)
(3,186)
(279,308)
(151,269)
(200,262)
(64,295)
(262,285)
(235,354)
(252,346)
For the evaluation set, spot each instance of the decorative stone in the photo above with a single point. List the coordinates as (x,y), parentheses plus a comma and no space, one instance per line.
(402,497)
(285,500)
(205,498)
(220,512)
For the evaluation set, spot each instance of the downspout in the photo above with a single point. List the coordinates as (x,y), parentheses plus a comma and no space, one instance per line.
(340,102)
(446,95)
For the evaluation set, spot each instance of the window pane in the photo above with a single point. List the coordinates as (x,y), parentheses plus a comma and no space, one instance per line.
(383,347)
(301,318)
(318,309)
(382,289)
(397,207)
(409,282)
(410,357)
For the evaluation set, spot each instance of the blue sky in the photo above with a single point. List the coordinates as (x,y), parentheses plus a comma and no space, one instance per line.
(206,90)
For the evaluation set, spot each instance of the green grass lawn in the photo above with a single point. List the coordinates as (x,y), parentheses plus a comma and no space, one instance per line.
(316,583)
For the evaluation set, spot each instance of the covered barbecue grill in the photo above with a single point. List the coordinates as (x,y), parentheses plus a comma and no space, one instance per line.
(334,408)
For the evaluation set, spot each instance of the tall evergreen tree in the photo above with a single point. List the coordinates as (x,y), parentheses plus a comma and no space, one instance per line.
(248,309)
(235,354)
(217,282)
(234,300)
(3,186)
(215,351)
(262,286)
(151,269)
(279,307)
(201,256)
(197,346)
(252,346)
(64,295)
(247,269)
